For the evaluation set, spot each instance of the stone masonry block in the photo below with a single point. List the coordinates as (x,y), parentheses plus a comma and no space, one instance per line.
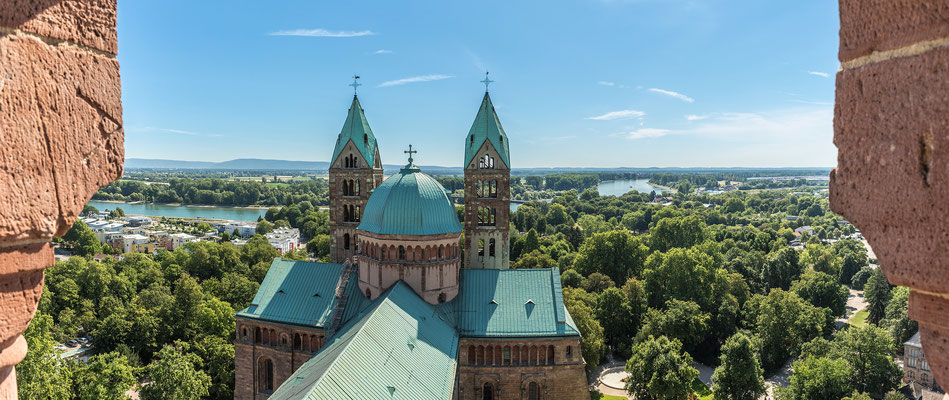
(873,25)
(89,23)
(60,122)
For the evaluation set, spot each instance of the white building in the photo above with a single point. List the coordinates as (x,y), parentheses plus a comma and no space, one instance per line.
(179,239)
(284,239)
(243,229)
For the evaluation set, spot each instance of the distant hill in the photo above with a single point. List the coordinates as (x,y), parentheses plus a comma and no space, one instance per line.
(258,164)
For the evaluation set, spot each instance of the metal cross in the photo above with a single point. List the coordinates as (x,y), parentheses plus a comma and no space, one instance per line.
(355,83)
(410,152)
(486,82)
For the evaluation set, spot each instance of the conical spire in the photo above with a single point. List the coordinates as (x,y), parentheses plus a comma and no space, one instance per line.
(356,128)
(486,126)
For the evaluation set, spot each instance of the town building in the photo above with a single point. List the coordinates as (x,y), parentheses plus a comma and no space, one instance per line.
(399,314)
(180,239)
(284,239)
(242,229)
(915,367)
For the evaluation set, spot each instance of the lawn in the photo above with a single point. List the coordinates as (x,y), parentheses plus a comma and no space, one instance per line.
(701,390)
(601,396)
(859,319)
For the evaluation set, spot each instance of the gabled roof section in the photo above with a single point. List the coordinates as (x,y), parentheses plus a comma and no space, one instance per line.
(398,348)
(487,126)
(297,292)
(356,128)
(515,302)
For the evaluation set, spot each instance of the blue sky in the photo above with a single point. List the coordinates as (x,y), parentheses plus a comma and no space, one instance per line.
(589,83)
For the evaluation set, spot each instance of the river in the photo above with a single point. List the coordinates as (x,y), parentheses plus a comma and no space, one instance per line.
(159,210)
(616,188)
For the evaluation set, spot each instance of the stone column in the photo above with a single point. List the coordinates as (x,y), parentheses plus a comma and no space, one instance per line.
(891,128)
(61,138)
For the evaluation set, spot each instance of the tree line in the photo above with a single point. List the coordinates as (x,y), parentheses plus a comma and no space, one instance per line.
(214,191)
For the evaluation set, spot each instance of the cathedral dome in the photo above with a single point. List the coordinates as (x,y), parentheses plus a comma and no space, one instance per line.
(410,203)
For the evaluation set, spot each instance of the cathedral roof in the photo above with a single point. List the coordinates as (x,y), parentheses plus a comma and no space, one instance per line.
(486,126)
(297,292)
(398,348)
(410,203)
(356,128)
(512,303)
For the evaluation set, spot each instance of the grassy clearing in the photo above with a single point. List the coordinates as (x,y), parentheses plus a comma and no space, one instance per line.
(601,396)
(701,390)
(859,319)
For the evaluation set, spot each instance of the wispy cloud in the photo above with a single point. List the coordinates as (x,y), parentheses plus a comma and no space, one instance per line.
(606,83)
(646,133)
(414,79)
(619,115)
(168,130)
(693,117)
(382,52)
(670,93)
(820,74)
(816,103)
(321,33)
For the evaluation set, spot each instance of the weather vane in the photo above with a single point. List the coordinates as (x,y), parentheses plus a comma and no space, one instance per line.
(410,152)
(486,81)
(355,83)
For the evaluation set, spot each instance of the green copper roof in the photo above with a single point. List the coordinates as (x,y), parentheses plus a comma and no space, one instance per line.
(486,126)
(297,292)
(398,348)
(356,128)
(410,203)
(514,302)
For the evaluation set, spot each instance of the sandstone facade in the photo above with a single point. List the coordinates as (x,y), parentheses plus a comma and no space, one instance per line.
(267,354)
(62,138)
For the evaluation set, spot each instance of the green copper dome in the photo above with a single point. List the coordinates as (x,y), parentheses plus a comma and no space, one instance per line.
(410,203)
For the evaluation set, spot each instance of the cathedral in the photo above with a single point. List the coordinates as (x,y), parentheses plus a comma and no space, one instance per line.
(415,304)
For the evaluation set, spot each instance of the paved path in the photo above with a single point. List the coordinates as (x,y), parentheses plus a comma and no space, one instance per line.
(855,302)
(596,383)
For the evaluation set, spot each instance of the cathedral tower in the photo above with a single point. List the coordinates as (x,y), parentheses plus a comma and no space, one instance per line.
(355,170)
(487,191)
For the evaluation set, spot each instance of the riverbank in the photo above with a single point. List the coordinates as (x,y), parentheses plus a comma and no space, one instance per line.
(145,203)
(211,212)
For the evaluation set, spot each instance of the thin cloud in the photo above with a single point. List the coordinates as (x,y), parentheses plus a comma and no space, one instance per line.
(647,133)
(619,115)
(321,33)
(169,130)
(606,83)
(414,79)
(693,117)
(670,93)
(382,52)
(820,74)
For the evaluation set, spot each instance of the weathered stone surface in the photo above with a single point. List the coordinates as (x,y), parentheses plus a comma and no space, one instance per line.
(61,128)
(89,23)
(19,295)
(26,257)
(873,25)
(892,177)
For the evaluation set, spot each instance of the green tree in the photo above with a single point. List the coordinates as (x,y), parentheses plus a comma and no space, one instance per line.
(596,283)
(319,246)
(592,342)
(616,254)
(534,259)
(819,378)
(680,320)
(217,356)
(782,268)
(739,377)
(822,290)
(679,232)
(783,322)
(175,375)
(734,205)
(571,278)
(263,228)
(659,370)
(896,322)
(870,350)
(106,376)
(877,293)
(613,312)
(41,374)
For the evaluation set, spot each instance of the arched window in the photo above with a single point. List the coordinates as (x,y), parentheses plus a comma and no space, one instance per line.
(550,355)
(507,355)
(480,247)
(533,391)
(480,355)
(441,297)
(491,248)
(297,342)
(471,355)
(488,391)
(257,338)
(356,188)
(533,356)
(440,249)
(569,352)
(314,343)
(244,332)
(489,356)
(497,355)
(368,293)
(265,375)
(346,241)
(357,215)
(401,252)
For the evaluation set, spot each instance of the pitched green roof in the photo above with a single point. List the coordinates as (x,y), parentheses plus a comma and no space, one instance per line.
(297,292)
(356,128)
(398,348)
(515,302)
(486,126)
(410,203)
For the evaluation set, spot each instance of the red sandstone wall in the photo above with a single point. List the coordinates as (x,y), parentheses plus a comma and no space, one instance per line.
(61,138)
(892,175)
